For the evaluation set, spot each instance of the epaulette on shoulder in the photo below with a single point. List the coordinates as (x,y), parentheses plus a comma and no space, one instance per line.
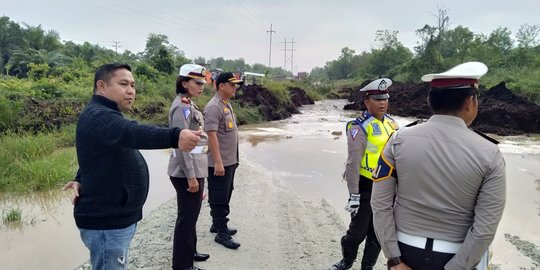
(363,116)
(350,124)
(485,136)
(185,100)
(419,121)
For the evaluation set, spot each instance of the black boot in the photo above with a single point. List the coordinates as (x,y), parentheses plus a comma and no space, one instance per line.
(226,240)
(341,265)
(349,251)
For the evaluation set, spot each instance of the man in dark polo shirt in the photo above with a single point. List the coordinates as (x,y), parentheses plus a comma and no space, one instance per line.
(220,125)
(112,182)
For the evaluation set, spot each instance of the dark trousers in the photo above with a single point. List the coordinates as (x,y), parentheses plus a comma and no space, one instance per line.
(424,259)
(360,228)
(220,190)
(185,234)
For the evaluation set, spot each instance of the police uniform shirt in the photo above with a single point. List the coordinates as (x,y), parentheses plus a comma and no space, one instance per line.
(450,186)
(185,114)
(219,116)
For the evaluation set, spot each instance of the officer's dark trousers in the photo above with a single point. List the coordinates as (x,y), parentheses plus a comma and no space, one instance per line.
(360,228)
(424,259)
(185,235)
(220,189)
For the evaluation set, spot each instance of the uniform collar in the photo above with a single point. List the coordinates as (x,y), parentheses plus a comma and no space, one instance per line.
(185,99)
(447,119)
(368,115)
(224,101)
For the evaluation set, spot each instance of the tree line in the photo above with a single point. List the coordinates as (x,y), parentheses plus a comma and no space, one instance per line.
(514,59)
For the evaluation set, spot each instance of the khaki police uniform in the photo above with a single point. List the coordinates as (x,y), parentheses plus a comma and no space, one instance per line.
(449,188)
(366,136)
(219,116)
(184,114)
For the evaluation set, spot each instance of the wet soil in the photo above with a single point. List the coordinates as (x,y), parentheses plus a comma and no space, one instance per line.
(500,112)
(270,106)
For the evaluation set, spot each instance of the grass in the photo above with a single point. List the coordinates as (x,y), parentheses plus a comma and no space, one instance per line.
(35,162)
(12,216)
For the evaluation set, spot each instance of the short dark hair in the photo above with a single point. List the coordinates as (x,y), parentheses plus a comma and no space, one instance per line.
(449,101)
(179,87)
(105,72)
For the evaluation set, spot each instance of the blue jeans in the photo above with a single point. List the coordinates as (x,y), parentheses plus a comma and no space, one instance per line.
(108,248)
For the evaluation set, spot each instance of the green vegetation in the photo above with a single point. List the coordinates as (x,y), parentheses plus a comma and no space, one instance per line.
(12,216)
(36,162)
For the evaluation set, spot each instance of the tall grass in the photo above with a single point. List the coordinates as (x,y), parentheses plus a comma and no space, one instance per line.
(34,162)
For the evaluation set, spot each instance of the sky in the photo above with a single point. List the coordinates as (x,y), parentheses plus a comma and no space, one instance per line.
(240,28)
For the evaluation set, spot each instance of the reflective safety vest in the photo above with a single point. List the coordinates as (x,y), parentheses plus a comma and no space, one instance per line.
(377,134)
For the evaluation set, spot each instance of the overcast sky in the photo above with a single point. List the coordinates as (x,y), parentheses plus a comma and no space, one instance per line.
(238,28)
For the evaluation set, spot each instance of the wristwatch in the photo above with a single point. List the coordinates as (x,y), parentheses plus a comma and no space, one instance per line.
(393,261)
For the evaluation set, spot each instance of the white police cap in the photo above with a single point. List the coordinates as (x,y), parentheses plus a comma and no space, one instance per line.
(193,71)
(377,89)
(462,75)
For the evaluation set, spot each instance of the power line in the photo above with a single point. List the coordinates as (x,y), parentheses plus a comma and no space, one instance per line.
(192,27)
(250,15)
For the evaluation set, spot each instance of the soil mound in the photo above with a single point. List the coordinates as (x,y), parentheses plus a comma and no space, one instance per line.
(299,97)
(501,111)
(270,106)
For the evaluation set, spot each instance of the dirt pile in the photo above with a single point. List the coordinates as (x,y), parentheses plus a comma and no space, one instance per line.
(299,97)
(270,106)
(501,111)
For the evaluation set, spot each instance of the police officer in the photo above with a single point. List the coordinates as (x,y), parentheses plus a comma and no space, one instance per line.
(366,136)
(223,156)
(187,170)
(448,182)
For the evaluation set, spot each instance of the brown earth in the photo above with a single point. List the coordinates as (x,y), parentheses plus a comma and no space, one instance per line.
(269,105)
(501,111)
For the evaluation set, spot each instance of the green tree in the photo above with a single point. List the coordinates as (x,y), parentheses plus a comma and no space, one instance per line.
(527,35)
(11,39)
(163,61)
(390,57)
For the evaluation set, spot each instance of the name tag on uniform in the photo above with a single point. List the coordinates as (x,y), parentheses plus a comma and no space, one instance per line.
(201,149)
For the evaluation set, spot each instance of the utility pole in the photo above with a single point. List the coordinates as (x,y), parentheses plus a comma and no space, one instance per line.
(116,45)
(285,55)
(292,56)
(287,59)
(270,54)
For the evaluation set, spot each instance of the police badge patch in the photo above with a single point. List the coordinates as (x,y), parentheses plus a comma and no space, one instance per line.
(376,129)
(354,131)
(186,112)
